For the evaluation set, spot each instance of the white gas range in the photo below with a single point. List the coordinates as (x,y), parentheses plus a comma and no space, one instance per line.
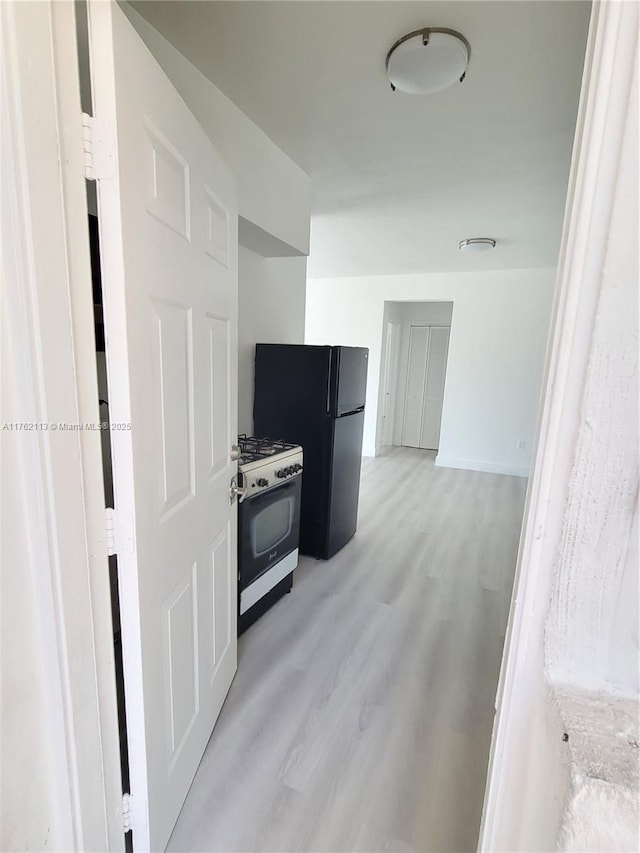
(265,463)
(270,486)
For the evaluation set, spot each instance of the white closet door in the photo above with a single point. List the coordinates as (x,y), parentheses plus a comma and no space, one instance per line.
(390,374)
(416,377)
(434,387)
(426,369)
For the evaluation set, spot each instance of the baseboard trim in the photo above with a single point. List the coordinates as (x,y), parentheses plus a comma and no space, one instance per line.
(486,467)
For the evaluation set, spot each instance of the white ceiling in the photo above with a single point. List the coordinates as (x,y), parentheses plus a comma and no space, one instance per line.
(398,180)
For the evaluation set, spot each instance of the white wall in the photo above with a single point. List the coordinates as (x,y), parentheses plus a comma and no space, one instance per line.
(274,198)
(60,785)
(271,300)
(429,313)
(273,192)
(566,732)
(33,810)
(496,352)
(592,637)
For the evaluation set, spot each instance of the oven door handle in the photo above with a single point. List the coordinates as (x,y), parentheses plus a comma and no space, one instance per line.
(236,491)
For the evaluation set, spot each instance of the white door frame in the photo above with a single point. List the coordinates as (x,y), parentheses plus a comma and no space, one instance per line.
(49,310)
(391,353)
(520,789)
(59,372)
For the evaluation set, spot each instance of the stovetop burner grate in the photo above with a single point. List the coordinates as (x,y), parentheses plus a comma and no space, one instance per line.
(253,448)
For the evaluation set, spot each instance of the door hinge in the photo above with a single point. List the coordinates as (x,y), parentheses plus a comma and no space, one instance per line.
(99,148)
(119,527)
(126,812)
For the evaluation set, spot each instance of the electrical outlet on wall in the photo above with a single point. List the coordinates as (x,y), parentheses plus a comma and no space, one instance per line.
(521,445)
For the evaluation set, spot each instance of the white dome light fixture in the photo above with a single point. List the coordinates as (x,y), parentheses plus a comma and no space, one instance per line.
(428,60)
(477,244)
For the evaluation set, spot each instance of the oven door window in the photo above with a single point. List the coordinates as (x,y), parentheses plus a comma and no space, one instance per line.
(268,529)
(271,526)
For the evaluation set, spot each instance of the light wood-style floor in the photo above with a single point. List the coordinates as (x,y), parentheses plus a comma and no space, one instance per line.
(360,717)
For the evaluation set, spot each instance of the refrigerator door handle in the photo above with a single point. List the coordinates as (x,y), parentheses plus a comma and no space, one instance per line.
(351,412)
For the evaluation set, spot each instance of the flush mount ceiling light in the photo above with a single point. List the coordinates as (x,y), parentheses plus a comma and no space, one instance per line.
(428,60)
(477,244)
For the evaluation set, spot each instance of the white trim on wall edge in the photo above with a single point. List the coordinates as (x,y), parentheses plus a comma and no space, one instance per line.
(50,314)
(486,467)
(511,782)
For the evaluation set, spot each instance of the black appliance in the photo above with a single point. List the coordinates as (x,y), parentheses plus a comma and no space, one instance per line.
(315,396)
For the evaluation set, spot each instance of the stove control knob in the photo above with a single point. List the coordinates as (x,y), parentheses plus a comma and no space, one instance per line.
(297,467)
(263,482)
(279,474)
(288,471)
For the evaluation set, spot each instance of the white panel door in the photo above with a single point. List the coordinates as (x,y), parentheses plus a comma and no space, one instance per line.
(389,380)
(168,232)
(426,369)
(416,377)
(434,387)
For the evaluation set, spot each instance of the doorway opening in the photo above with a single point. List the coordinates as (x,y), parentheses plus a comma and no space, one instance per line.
(415,345)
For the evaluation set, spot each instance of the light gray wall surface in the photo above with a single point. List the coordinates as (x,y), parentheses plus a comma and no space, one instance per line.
(274,197)
(273,192)
(566,734)
(271,303)
(428,313)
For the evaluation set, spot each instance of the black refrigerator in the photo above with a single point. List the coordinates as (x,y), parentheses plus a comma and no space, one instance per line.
(314,396)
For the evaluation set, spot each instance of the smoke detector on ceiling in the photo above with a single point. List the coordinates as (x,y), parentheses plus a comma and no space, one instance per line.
(428,60)
(477,244)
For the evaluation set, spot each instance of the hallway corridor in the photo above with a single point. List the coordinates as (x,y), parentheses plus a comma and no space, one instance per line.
(360,717)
